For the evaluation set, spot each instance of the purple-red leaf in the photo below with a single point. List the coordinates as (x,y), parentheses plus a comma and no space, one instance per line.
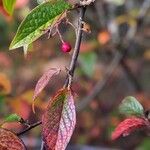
(43,81)
(59,120)
(8,140)
(127,126)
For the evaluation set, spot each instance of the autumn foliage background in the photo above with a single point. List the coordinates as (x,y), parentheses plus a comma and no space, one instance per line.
(109,22)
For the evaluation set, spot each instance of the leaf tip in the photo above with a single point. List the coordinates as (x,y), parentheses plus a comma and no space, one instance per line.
(12,45)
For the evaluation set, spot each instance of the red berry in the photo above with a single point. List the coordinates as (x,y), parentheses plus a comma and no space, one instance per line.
(66,47)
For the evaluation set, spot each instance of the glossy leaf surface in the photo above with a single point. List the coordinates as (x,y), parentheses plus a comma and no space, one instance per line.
(37,22)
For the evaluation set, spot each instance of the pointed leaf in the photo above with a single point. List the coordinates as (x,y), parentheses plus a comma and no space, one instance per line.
(35,24)
(8,140)
(59,120)
(127,126)
(130,106)
(43,81)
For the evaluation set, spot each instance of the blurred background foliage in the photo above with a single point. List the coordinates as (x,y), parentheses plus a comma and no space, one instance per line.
(114,63)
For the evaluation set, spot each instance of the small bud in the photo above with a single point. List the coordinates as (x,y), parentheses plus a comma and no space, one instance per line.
(66,47)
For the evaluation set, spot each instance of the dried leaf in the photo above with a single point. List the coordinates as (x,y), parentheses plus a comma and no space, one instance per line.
(8,140)
(59,120)
(127,126)
(43,81)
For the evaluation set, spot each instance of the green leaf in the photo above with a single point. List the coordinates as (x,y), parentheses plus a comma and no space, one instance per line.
(130,106)
(12,118)
(9,6)
(38,20)
(88,61)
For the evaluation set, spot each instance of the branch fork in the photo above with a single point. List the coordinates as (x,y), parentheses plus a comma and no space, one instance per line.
(72,66)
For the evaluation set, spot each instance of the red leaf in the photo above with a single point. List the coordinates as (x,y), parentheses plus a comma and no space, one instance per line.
(43,81)
(8,140)
(127,126)
(59,121)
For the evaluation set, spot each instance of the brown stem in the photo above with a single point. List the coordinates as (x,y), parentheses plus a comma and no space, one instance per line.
(72,64)
(76,48)
(30,127)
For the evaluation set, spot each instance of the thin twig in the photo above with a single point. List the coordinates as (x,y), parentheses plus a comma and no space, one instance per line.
(72,64)
(30,127)
(77,48)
